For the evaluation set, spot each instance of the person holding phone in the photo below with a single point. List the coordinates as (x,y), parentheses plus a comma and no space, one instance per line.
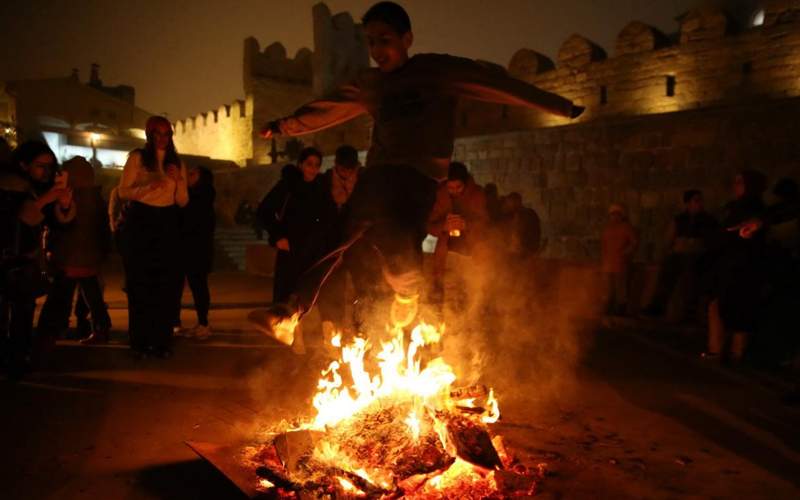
(154,183)
(29,200)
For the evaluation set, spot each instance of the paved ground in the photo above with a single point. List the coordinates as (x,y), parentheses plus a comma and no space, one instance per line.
(629,421)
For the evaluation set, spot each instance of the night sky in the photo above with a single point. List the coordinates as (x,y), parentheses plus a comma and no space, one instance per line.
(184,56)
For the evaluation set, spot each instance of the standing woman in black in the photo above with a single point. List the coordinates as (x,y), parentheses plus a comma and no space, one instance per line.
(197,248)
(297,214)
(154,182)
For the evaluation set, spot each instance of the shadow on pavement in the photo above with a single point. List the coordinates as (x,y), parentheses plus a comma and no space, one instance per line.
(190,479)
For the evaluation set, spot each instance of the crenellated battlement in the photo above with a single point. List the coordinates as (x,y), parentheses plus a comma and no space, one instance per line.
(273,63)
(709,62)
(225,132)
(340,48)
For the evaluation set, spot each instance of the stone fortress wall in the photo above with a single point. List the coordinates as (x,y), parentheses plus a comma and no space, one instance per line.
(275,85)
(664,113)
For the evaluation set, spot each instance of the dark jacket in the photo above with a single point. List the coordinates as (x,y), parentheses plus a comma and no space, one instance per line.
(299,211)
(729,245)
(81,246)
(21,223)
(522,232)
(197,227)
(340,207)
(21,229)
(738,272)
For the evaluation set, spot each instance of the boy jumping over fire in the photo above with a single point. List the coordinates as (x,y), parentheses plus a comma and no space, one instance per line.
(412,101)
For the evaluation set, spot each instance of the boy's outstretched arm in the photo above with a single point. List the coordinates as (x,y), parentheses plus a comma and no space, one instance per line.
(473,80)
(341,106)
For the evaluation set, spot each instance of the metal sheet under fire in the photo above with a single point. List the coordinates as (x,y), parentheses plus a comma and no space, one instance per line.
(224,459)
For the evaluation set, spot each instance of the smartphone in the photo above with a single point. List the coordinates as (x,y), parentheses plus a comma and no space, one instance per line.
(61,180)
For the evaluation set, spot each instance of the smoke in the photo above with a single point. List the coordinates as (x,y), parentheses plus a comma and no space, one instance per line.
(518,325)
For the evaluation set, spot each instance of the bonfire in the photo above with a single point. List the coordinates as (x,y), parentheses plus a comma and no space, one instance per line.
(391,422)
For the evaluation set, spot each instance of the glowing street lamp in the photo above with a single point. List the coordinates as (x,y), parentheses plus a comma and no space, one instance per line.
(93,138)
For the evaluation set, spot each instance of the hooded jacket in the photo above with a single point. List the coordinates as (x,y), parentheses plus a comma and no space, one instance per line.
(79,247)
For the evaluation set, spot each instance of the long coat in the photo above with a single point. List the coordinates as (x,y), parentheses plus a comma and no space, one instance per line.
(303,213)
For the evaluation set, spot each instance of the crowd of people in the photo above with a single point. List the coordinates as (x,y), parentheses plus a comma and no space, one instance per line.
(306,214)
(738,270)
(58,231)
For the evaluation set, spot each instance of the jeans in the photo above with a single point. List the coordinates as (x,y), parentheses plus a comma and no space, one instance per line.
(56,310)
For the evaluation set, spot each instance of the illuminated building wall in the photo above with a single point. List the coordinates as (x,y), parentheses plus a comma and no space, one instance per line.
(274,85)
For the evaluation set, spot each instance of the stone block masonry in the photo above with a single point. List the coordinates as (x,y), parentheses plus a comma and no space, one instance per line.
(571,174)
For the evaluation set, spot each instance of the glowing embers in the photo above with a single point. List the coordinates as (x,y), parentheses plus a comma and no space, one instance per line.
(389,424)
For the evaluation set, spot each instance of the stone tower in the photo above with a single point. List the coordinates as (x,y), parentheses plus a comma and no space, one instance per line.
(340,48)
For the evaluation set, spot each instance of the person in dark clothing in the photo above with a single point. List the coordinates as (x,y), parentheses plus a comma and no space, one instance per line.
(738,284)
(5,155)
(154,184)
(296,214)
(494,204)
(28,198)
(784,232)
(340,182)
(777,342)
(412,102)
(689,236)
(521,226)
(78,250)
(198,222)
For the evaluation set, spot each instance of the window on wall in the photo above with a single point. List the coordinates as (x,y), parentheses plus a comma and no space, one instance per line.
(670,85)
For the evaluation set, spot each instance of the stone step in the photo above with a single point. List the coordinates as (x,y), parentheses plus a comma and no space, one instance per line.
(233,241)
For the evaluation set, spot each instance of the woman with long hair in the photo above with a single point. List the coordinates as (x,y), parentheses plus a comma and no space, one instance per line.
(154,183)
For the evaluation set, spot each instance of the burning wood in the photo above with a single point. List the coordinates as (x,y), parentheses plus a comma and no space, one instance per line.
(402,433)
(473,443)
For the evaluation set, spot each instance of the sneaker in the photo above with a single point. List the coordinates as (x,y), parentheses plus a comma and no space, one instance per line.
(200,332)
(277,321)
(710,356)
(96,338)
(179,331)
